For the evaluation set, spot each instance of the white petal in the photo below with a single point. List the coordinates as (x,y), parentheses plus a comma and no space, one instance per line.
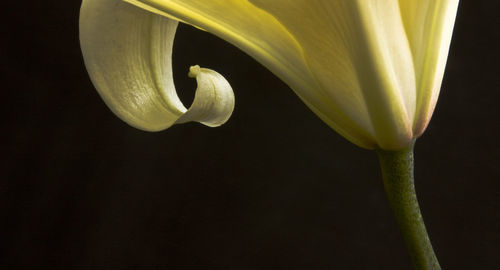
(128,54)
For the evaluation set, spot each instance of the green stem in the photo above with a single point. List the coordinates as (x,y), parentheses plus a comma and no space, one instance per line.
(397,172)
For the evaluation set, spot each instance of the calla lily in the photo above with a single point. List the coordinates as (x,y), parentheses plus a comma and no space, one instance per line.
(370,69)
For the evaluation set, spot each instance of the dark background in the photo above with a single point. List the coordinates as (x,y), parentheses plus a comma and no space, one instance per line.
(274,188)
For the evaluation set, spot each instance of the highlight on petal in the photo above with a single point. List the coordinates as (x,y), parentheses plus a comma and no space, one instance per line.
(359,53)
(429,27)
(128,54)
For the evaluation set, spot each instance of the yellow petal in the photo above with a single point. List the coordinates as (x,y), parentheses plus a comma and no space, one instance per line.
(127,52)
(429,26)
(214,100)
(261,34)
(371,69)
(359,54)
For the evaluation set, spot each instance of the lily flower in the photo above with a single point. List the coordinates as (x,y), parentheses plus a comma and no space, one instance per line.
(370,69)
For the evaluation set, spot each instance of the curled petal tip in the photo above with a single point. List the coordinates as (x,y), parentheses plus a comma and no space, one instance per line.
(214,100)
(128,55)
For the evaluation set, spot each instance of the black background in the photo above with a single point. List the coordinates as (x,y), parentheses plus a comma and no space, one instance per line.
(274,188)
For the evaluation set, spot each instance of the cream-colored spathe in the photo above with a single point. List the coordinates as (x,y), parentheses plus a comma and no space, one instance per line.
(128,54)
(371,69)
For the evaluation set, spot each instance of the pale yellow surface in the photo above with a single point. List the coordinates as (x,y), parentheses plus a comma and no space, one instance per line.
(264,37)
(371,69)
(127,52)
(429,27)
